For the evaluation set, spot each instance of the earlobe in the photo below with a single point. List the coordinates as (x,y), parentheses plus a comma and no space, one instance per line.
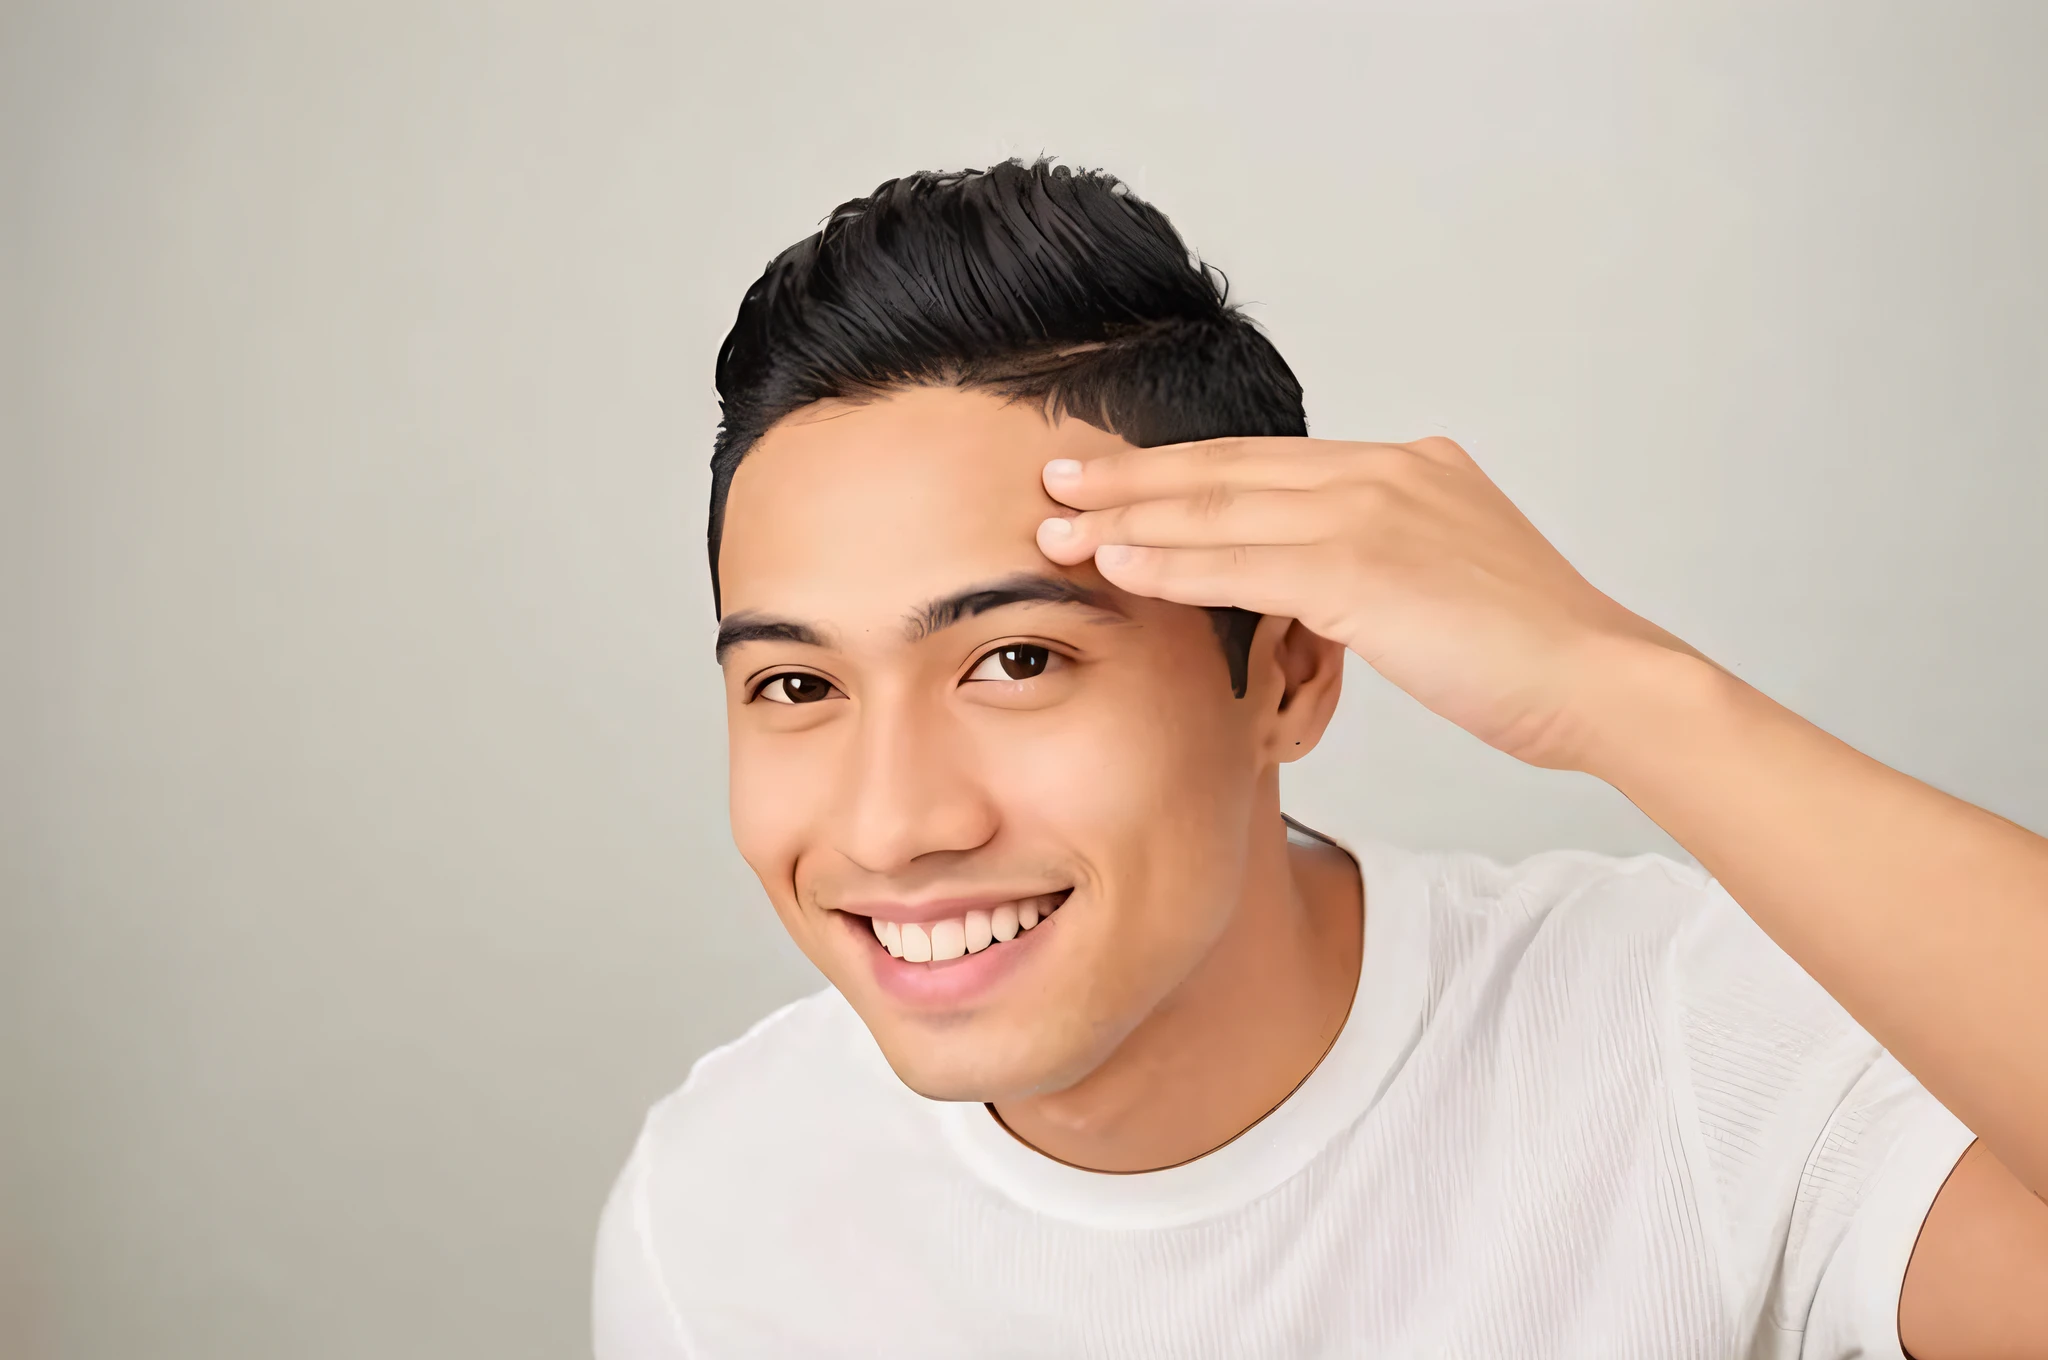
(1310,672)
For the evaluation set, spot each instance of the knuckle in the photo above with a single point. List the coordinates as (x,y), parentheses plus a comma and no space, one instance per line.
(1442,451)
(1213,502)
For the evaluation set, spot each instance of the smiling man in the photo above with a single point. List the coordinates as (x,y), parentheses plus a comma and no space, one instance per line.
(1117,1060)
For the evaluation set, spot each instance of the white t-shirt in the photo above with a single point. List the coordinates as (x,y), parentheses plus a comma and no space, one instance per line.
(1582,1107)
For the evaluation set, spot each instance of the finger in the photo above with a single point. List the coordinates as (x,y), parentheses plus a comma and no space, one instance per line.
(1180,469)
(1217,517)
(1265,579)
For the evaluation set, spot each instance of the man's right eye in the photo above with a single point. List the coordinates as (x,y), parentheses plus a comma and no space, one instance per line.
(793,687)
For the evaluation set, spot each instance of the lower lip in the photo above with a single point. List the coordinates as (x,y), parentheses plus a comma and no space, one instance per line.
(954,982)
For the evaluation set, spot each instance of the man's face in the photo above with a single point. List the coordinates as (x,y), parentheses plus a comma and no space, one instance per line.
(912,743)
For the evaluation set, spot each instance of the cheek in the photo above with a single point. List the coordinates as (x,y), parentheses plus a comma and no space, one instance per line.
(779,795)
(1122,770)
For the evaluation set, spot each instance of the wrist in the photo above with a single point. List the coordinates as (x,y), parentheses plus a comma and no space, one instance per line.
(1645,699)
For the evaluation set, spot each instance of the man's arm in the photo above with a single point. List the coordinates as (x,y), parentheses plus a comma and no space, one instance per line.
(1925,917)
(1978,1283)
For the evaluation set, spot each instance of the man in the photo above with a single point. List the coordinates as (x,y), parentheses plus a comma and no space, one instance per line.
(1116,1060)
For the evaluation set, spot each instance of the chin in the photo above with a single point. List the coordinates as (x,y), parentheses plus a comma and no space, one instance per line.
(959,1069)
(951,1087)
(952,1076)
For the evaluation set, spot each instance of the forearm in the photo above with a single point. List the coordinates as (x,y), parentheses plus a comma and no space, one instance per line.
(1925,916)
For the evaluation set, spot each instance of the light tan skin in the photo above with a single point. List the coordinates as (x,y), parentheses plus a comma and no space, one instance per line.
(1203,965)
(1925,917)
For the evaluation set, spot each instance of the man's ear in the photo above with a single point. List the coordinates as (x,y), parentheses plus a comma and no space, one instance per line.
(1299,675)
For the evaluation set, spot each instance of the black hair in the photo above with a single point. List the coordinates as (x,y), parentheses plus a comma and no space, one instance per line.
(1037,282)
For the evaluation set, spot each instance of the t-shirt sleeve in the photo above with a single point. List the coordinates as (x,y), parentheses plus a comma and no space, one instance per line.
(1823,1154)
(1862,1199)
(632,1315)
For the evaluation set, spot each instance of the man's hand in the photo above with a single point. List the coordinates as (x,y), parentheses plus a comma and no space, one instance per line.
(1405,553)
(1925,917)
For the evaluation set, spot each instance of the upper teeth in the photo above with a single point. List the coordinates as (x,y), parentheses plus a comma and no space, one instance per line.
(930,941)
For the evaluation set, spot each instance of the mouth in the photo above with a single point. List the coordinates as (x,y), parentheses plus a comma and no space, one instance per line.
(947,939)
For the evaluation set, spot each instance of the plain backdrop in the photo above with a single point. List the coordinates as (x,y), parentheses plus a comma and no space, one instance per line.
(366,870)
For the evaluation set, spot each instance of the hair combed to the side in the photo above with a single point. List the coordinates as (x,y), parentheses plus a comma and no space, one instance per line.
(1036,281)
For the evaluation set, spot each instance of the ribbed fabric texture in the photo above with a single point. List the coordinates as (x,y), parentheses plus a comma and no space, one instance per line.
(1627,1125)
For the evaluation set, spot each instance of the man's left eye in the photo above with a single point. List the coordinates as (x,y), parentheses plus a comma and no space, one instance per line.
(1017,661)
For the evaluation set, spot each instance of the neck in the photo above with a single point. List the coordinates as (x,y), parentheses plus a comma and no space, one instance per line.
(1234,1040)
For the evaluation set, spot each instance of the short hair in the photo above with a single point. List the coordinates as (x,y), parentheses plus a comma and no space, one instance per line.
(1037,282)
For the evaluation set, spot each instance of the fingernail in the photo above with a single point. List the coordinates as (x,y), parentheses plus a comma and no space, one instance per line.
(1114,555)
(1062,470)
(1056,529)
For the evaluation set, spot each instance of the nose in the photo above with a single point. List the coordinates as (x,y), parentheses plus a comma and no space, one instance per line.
(912,790)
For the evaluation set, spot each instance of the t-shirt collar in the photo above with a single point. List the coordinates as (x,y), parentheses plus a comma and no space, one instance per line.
(1385,1018)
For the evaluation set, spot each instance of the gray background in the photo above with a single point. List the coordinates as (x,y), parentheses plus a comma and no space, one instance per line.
(365,861)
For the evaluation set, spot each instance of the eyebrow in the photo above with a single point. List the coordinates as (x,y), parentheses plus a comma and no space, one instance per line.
(1023,588)
(931,616)
(748,627)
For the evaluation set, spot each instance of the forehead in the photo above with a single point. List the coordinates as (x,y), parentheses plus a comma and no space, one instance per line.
(847,511)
